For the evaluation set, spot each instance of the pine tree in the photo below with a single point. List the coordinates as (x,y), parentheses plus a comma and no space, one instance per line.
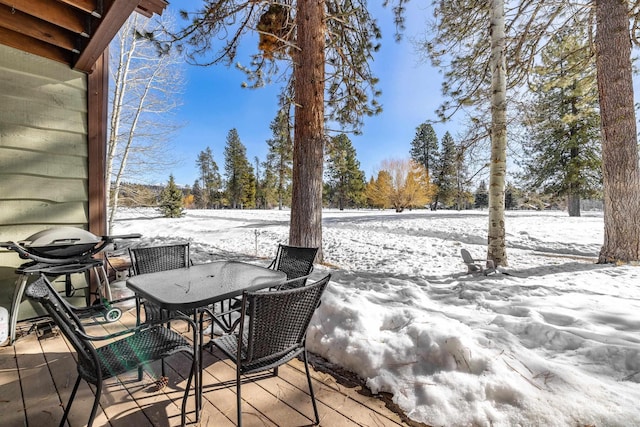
(481,196)
(171,204)
(562,155)
(210,178)
(463,196)
(278,166)
(445,177)
(239,173)
(424,147)
(198,195)
(379,189)
(344,180)
(249,188)
(329,50)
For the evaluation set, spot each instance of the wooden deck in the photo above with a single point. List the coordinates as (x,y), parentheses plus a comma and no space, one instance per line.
(38,373)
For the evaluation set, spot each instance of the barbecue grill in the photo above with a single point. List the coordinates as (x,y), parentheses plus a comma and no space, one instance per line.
(63,251)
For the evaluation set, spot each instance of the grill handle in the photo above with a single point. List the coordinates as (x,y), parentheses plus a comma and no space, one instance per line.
(122,236)
(13,246)
(64,241)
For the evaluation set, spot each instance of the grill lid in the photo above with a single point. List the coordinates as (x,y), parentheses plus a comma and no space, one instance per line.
(61,242)
(60,236)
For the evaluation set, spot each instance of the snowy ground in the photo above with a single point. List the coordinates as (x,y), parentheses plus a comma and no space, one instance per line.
(555,342)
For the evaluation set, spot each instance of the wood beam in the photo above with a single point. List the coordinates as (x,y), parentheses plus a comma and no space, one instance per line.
(112,21)
(36,47)
(33,27)
(97,105)
(52,11)
(149,7)
(89,6)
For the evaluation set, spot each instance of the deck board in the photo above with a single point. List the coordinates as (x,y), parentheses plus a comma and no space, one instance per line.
(37,375)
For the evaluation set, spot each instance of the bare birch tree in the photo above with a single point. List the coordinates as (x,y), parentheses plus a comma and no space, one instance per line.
(146,89)
(496,250)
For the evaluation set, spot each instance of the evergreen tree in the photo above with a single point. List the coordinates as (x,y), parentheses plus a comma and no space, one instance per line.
(260,185)
(445,177)
(424,147)
(279,162)
(379,189)
(171,204)
(239,173)
(463,196)
(198,196)
(481,196)
(249,184)
(562,155)
(514,198)
(329,49)
(345,181)
(210,178)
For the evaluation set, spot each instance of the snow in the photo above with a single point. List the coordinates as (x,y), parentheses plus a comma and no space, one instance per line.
(553,342)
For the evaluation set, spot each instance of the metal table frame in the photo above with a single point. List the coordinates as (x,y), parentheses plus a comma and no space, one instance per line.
(199,286)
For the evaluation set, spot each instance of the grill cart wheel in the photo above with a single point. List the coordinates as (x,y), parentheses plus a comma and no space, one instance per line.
(112,314)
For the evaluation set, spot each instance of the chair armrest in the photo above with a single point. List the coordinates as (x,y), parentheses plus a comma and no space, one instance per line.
(284,284)
(140,328)
(488,262)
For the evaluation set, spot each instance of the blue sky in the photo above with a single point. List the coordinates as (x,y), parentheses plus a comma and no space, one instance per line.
(214,102)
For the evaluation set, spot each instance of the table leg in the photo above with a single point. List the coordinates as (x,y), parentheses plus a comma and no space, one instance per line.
(198,339)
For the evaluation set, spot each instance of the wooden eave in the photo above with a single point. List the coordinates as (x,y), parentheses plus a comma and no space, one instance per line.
(74,32)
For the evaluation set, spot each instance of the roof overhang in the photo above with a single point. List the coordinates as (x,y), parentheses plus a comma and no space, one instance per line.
(74,32)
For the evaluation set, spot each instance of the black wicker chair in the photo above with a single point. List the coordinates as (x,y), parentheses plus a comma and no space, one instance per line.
(272,332)
(152,259)
(296,262)
(128,349)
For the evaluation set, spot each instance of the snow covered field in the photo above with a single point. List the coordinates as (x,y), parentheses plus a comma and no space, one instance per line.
(555,342)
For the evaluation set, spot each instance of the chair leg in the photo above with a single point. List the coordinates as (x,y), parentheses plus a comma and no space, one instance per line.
(73,395)
(313,397)
(96,401)
(238,397)
(183,418)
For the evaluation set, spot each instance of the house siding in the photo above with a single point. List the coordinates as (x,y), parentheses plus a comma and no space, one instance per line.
(43,152)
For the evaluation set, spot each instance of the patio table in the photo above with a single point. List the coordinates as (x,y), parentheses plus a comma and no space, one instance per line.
(199,286)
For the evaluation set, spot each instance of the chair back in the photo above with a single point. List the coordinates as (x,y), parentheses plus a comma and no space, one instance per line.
(67,321)
(472,267)
(151,259)
(159,258)
(295,262)
(277,325)
(466,256)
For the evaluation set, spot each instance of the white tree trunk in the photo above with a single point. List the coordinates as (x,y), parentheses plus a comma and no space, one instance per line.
(496,249)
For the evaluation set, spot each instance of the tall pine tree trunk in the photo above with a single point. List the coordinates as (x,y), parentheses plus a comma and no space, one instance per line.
(308,145)
(573,204)
(620,170)
(496,250)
